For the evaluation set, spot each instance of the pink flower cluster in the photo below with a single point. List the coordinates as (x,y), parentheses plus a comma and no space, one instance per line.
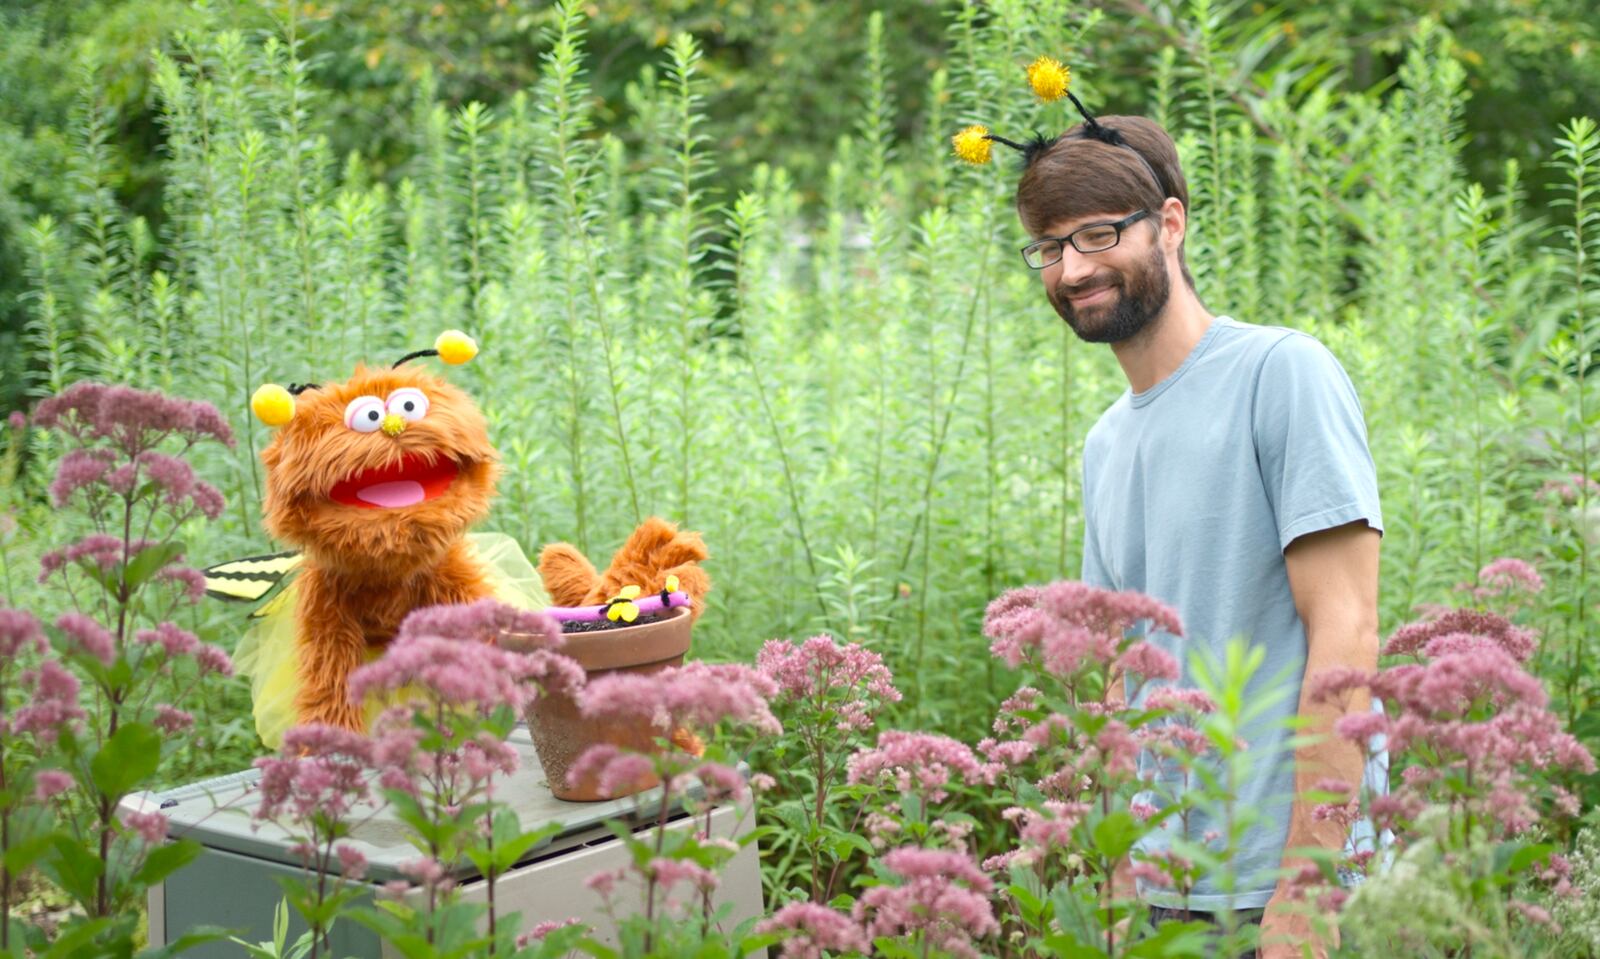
(851,678)
(315,781)
(696,696)
(52,697)
(944,898)
(1483,627)
(810,928)
(461,673)
(1068,625)
(132,420)
(925,763)
(1474,719)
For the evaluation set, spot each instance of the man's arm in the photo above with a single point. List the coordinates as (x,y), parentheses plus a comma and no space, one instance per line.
(1333,575)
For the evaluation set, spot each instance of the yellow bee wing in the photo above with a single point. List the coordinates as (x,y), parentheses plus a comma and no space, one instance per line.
(247,580)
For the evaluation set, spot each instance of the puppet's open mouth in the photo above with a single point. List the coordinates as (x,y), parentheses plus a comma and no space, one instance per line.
(413,480)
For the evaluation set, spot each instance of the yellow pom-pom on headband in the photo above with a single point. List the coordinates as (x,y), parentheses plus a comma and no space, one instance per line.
(1050,80)
(451,346)
(272,404)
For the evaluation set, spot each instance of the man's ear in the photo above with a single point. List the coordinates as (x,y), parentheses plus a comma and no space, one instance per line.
(1174,223)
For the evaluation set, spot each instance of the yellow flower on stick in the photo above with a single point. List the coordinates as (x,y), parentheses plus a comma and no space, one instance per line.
(621,607)
(973,146)
(1049,78)
(672,584)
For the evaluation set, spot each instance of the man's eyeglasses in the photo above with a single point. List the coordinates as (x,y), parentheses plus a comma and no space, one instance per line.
(1089,239)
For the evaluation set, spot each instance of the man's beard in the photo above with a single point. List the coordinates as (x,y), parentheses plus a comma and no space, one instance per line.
(1137,298)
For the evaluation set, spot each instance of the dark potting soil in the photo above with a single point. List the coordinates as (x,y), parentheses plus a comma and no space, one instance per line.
(575,626)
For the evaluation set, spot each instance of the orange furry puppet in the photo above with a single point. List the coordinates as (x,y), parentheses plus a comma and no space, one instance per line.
(376,480)
(654,551)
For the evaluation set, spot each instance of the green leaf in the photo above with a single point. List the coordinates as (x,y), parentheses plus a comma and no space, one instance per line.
(149,561)
(163,860)
(1115,834)
(128,758)
(199,935)
(73,868)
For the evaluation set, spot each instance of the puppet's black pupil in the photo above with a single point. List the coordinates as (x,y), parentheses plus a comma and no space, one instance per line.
(410,406)
(372,415)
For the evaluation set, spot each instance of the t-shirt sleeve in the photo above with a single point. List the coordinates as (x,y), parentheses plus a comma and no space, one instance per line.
(1311,441)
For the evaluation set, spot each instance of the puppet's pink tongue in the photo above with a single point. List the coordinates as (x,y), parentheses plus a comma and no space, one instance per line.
(391,495)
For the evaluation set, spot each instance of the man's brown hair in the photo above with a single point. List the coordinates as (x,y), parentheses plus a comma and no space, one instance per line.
(1078,176)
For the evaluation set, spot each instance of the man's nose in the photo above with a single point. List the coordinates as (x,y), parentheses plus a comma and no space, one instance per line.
(1075,268)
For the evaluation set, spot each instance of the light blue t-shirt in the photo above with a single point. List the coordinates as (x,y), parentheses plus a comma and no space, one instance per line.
(1192,489)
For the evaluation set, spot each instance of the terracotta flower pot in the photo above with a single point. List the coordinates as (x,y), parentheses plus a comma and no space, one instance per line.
(561,734)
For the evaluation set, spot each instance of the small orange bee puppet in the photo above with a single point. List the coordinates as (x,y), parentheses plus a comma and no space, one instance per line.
(375,481)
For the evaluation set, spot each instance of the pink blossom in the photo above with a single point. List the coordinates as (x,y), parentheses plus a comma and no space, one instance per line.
(53,705)
(425,871)
(1009,716)
(1149,662)
(811,928)
(191,582)
(697,695)
(17,420)
(150,826)
(484,621)
(1150,873)
(1051,826)
(616,772)
(944,897)
(172,720)
(1011,752)
(604,883)
(1142,811)
(1517,642)
(79,468)
(669,872)
(854,676)
(1507,574)
(19,633)
(318,777)
(48,783)
(352,864)
(924,762)
(133,420)
(88,636)
(761,783)
(543,929)
(212,659)
(1179,699)
(1361,727)
(174,641)
(462,673)
(1067,625)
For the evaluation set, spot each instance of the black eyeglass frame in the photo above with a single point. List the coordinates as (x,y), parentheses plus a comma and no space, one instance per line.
(1118,225)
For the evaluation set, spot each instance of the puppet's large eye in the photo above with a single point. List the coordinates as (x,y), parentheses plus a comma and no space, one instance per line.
(408,403)
(364,414)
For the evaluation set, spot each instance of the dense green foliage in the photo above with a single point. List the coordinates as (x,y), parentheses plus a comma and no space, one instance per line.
(858,395)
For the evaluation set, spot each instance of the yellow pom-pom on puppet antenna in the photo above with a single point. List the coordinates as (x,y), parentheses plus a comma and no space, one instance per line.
(455,347)
(1049,78)
(973,145)
(272,404)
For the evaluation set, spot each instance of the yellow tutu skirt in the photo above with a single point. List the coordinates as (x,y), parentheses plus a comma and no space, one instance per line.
(268,655)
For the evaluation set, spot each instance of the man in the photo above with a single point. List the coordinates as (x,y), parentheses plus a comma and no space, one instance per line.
(1231,481)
